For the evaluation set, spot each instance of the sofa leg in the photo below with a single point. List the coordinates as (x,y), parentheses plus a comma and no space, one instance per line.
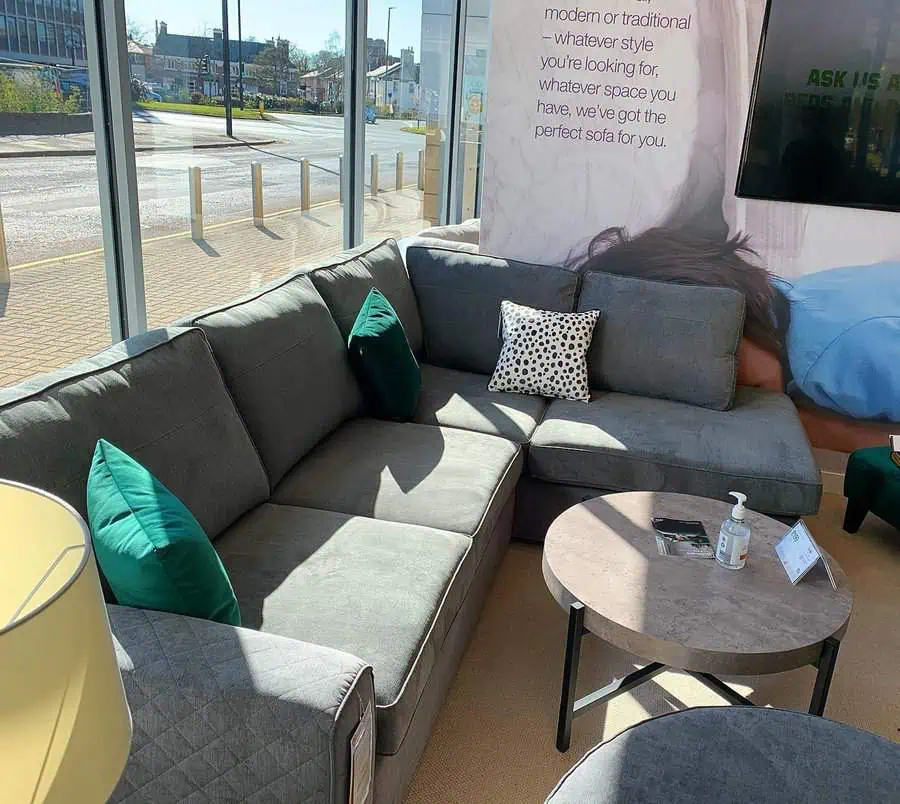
(856,513)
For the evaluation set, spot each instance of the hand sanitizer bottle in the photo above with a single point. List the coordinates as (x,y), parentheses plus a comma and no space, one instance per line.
(734,537)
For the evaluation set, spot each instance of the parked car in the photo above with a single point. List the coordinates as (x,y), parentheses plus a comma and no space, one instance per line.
(371,117)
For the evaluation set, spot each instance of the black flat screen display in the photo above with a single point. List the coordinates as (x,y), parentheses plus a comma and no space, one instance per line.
(824,123)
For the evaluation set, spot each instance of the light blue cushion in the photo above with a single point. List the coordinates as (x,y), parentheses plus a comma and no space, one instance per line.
(843,341)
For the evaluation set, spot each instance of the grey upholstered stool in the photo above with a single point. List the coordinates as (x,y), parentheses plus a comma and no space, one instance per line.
(736,755)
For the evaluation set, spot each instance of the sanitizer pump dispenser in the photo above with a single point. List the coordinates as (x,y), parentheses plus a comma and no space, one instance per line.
(734,536)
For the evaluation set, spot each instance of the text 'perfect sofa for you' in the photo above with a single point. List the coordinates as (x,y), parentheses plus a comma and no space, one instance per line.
(361,550)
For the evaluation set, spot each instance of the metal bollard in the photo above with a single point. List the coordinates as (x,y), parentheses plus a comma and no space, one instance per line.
(341,179)
(304,185)
(373,179)
(196,193)
(256,184)
(399,174)
(421,170)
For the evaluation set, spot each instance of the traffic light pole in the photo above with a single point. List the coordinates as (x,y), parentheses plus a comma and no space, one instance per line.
(240,59)
(226,68)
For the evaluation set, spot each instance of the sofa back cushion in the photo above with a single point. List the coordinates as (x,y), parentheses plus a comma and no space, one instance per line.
(286,366)
(664,340)
(161,398)
(345,283)
(460,294)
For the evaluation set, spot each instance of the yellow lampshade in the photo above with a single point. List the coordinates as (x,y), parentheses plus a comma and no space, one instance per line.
(65,728)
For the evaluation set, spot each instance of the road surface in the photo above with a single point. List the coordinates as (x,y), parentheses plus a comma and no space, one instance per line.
(51,208)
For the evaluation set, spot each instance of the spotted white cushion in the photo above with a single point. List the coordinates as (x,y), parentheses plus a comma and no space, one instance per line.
(544,353)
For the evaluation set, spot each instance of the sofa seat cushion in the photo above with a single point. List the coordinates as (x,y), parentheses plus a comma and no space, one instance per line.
(619,442)
(461,400)
(433,476)
(383,591)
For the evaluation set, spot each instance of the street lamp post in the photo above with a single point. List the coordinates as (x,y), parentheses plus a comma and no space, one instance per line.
(226,68)
(387,52)
(240,58)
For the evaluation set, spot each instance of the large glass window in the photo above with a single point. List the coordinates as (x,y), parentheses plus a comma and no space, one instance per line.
(407,100)
(12,31)
(473,105)
(222,215)
(222,209)
(43,45)
(53,290)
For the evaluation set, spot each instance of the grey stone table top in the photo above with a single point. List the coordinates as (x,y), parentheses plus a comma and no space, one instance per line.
(690,613)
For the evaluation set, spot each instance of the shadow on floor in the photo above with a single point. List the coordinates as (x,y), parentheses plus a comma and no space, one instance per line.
(206,248)
(269,233)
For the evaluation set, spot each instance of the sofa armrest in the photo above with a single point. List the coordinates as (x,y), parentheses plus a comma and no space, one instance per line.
(230,714)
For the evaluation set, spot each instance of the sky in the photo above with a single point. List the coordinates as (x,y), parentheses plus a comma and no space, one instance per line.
(306,23)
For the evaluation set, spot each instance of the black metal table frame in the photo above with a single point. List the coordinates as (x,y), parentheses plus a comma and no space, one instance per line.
(570,708)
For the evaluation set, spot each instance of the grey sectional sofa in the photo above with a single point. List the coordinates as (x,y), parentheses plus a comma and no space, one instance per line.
(360,550)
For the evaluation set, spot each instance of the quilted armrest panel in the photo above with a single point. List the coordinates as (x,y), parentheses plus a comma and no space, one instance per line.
(229,714)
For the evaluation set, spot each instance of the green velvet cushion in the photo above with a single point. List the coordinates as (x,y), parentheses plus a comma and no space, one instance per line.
(872,480)
(153,552)
(383,361)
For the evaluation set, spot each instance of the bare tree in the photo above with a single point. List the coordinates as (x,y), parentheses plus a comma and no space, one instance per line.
(136,31)
(332,55)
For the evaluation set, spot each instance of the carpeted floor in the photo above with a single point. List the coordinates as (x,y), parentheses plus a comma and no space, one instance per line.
(494,738)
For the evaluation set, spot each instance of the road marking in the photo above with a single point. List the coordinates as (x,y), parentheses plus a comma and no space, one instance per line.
(93,252)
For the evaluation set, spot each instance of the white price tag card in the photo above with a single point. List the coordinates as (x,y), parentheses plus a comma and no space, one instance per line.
(362,758)
(799,553)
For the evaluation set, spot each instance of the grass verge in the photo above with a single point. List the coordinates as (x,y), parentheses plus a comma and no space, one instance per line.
(415,130)
(198,109)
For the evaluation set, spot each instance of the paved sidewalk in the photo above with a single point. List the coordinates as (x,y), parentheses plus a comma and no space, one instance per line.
(53,314)
(147,137)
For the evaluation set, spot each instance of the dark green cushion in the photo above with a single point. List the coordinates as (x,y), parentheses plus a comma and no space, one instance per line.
(383,361)
(153,552)
(872,480)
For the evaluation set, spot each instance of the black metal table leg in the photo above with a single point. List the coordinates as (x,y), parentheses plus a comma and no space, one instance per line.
(827,661)
(618,687)
(718,686)
(570,676)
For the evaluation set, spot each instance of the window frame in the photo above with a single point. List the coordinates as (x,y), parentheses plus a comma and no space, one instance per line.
(105,39)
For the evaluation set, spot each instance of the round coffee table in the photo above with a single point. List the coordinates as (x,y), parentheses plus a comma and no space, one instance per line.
(601,563)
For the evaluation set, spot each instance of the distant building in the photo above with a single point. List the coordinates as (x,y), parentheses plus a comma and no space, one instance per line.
(140,60)
(179,60)
(322,86)
(45,33)
(395,86)
(375,51)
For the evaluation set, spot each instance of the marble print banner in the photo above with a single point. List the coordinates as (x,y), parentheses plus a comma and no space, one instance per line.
(632,113)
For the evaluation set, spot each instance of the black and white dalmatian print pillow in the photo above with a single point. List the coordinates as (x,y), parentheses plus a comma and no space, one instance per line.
(544,353)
